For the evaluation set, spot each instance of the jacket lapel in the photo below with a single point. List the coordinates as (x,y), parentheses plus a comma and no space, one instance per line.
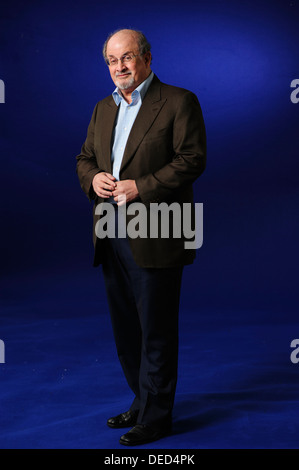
(107,127)
(150,108)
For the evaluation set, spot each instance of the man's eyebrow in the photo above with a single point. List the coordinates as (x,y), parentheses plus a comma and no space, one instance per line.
(125,53)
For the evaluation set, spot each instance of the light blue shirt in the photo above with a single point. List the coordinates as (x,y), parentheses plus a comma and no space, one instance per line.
(126,116)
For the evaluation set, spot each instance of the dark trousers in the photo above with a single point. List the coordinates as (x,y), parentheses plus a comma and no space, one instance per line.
(144,306)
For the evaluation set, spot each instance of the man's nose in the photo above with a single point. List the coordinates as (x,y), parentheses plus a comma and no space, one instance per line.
(121,66)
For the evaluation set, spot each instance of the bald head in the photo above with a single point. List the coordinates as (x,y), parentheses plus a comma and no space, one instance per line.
(141,43)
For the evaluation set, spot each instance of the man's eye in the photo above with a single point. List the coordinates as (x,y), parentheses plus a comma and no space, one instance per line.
(127,58)
(113,61)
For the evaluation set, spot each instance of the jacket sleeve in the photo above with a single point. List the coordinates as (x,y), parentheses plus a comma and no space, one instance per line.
(188,154)
(87,166)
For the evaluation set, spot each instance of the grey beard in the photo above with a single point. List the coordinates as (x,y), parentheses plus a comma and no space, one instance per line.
(124,86)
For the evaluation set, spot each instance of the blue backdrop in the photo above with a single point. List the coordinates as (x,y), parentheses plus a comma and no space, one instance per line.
(240,59)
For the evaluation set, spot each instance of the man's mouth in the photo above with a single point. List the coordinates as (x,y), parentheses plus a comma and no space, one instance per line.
(122,75)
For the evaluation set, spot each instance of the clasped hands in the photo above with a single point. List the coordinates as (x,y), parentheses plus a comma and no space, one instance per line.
(105,186)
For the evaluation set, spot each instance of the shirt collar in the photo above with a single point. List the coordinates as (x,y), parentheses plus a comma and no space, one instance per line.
(139,92)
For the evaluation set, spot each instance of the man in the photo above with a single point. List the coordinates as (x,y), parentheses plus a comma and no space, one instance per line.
(146,144)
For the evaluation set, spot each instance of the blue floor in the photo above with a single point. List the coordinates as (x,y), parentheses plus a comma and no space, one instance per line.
(237,387)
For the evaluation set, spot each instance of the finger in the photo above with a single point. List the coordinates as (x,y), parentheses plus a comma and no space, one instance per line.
(103,193)
(111,177)
(100,194)
(122,199)
(108,185)
(121,202)
(108,176)
(101,187)
(104,184)
(104,179)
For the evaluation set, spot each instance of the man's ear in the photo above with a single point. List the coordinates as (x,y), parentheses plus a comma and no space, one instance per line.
(148,57)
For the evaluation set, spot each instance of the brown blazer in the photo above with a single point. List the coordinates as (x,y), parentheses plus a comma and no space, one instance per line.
(165,153)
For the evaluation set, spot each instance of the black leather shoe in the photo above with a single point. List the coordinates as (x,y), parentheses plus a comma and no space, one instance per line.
(142,434)
(124,420)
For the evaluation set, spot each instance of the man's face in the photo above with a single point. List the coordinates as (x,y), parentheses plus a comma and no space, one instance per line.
(127,76)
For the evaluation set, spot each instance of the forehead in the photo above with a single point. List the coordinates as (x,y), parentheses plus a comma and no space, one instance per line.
(121,43)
